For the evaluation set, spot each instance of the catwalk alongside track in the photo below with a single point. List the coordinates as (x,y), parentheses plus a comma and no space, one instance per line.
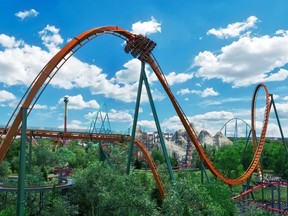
(7,188)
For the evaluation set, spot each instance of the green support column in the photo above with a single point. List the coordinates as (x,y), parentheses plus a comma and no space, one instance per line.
(167,159)
(104,155)
(30,153)
(203,171)
(131,145)
(101,153)
(21,175)
(202,174)
(279,124)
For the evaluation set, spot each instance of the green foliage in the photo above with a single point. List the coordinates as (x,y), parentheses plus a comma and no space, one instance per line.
(228,161)
(8,206)
(42,154)
(174,161)
(11,210)
(100,190)
(196,162)
(57,205)
(157,156)
(36,177)
(138,164)
(209,150)
(4,170)
(80,154)
(14,150)
(275,158)
(247,210)
(12,156)
(247,155)
(64,157)
(15,164)
(189,197)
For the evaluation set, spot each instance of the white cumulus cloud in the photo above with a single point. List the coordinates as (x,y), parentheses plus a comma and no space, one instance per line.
(6,96)
(51,37)
(205,93)
(209,92)
(39,106)
(9,42)
(74,125)
(30,60)
(74,73)
(247,61)
(120,116)
(27,13)
(130,73)
(147,125)
(174,78)
(211,121)
(146,28)
(234,29)
(77,102)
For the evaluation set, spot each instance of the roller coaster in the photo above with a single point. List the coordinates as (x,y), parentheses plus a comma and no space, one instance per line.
(275,204)
(139,47)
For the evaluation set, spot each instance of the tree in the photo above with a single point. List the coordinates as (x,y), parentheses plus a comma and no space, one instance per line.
(58,205)
(157,156)
(4,170)
(100,190)
(189,197)
(80,154)
(64,157)
(42,154)
(247,155)
(228,161)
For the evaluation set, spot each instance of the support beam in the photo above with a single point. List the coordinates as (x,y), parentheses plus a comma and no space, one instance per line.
(279,124)
(142,78)
(21,175)
(138,99)
(30,152)
(164,149)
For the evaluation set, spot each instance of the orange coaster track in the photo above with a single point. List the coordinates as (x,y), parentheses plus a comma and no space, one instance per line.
(140,47)
(103,137)
(192,134)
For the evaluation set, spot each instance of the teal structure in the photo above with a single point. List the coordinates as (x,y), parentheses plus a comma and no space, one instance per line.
(143,77)
(21,175)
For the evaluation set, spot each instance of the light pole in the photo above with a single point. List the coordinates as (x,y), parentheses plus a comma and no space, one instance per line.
(66,100)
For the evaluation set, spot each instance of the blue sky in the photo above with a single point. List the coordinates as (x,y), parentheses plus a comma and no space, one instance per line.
(213,54)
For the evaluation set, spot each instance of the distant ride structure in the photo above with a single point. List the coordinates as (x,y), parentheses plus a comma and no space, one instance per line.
(100,122)
(236,128)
